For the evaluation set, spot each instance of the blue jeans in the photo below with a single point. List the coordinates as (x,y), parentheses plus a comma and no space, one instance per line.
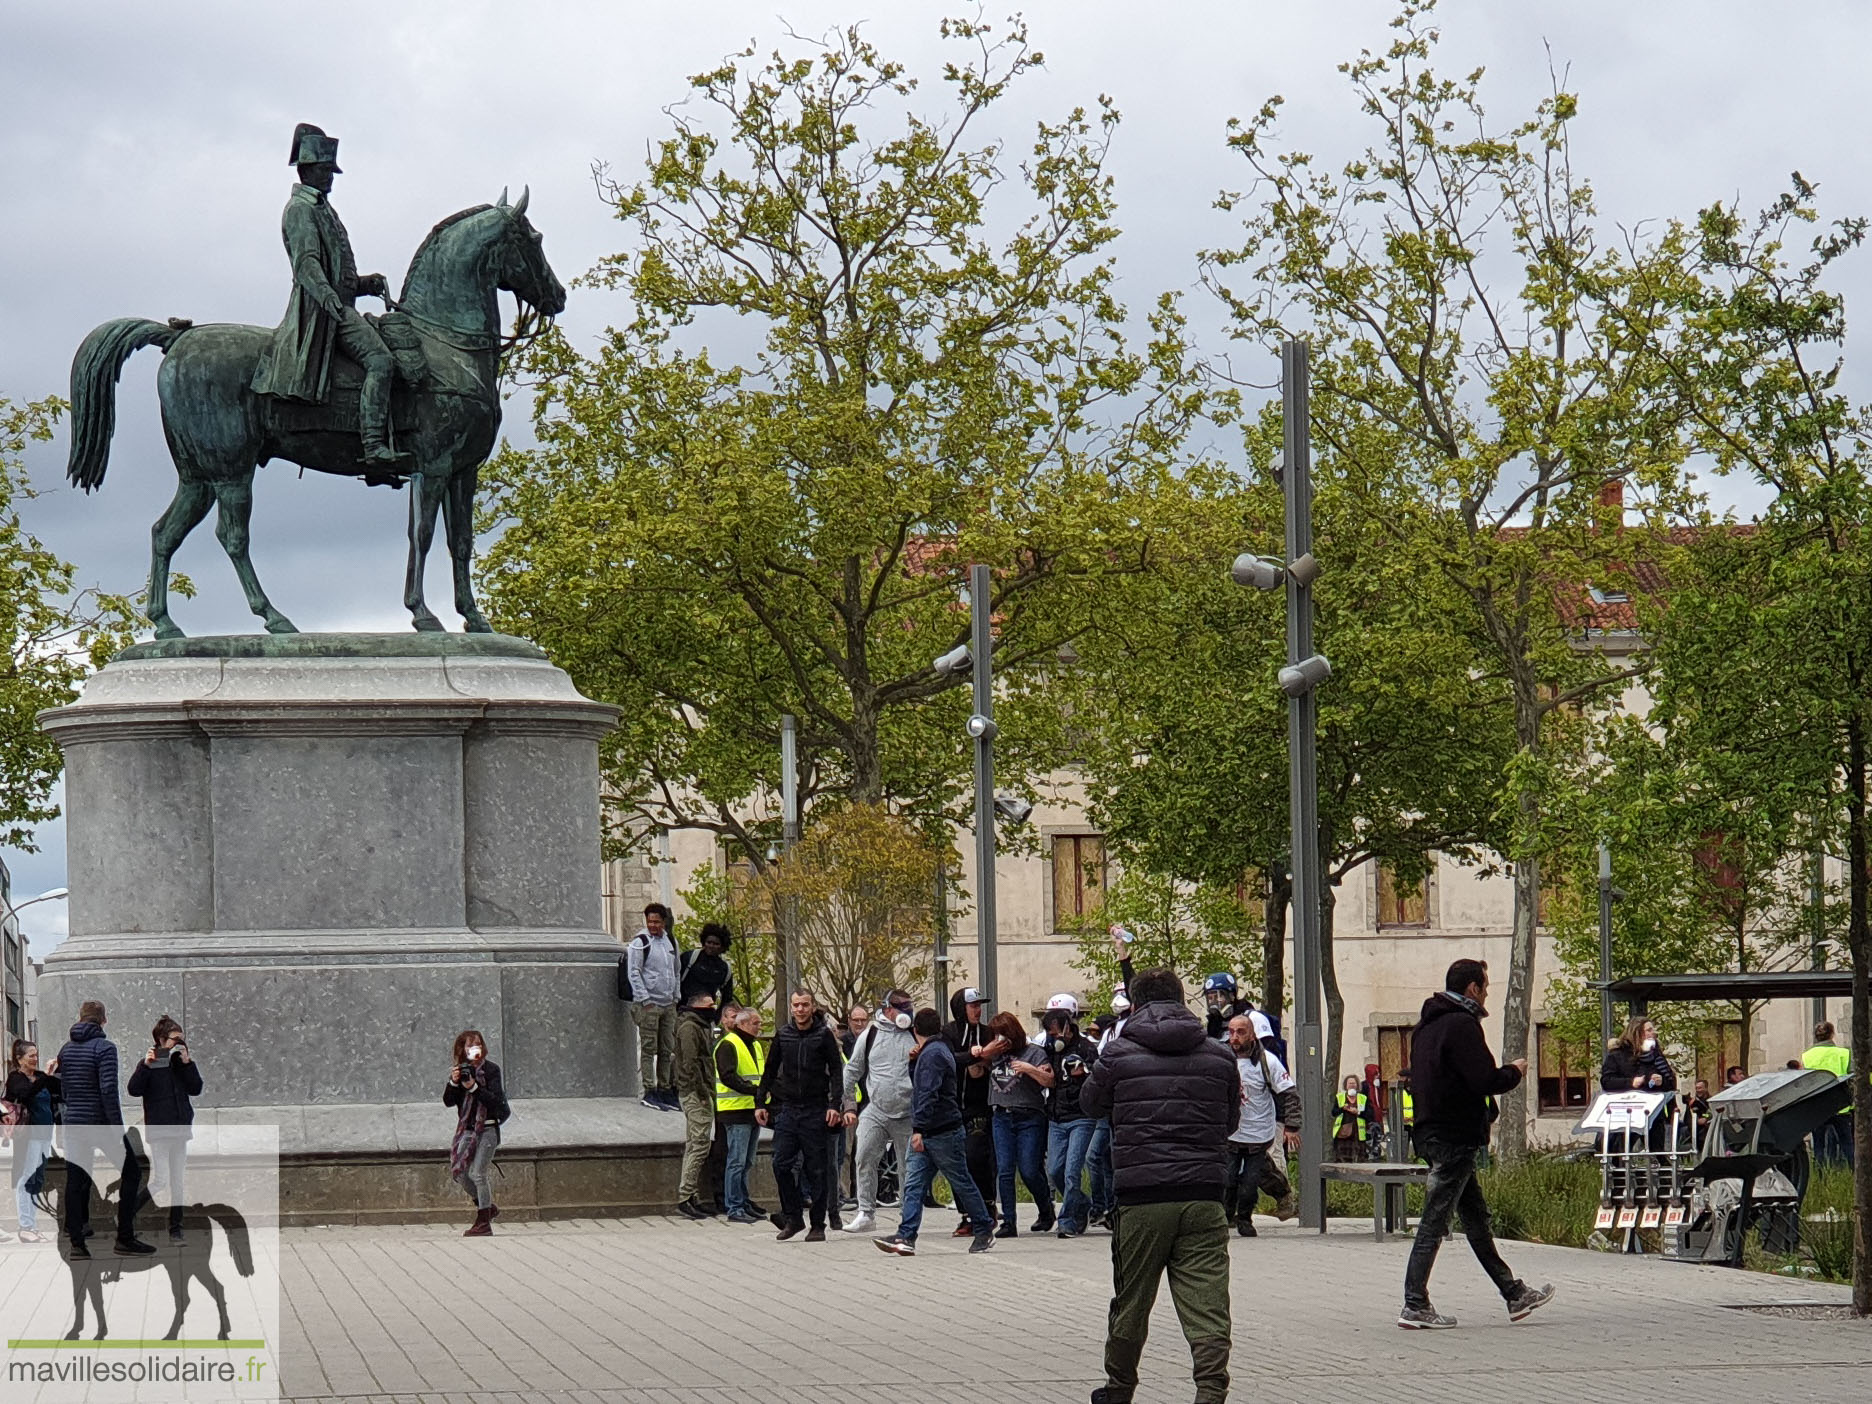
(945,1152)
(1066,1160)
(1099,1168)
(741,1141)
(1020,1138)
(29,1153)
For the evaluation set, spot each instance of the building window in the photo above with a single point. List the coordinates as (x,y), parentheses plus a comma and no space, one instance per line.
(1718,1048)
(1401,903)
(1078,878)
(1252,893)
(1393,1050)
(1565,1071)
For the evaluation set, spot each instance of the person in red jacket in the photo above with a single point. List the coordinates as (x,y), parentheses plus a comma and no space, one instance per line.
(1453,1076)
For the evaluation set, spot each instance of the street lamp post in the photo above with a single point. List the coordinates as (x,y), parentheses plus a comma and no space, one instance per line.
(1304,672)
(1605,944)
(12,915)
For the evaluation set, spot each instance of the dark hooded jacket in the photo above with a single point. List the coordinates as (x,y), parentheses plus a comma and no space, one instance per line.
(1453,1074)
(1174,1096)
(804,1067)
(963,1039)
(87,1071)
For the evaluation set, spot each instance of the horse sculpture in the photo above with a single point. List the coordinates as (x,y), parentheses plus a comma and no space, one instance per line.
(192,1261)
(446,332)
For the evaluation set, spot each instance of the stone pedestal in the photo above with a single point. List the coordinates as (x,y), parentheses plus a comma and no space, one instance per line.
(326,855)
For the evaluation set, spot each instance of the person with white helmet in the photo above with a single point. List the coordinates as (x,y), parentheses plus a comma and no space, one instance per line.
(1071,1056)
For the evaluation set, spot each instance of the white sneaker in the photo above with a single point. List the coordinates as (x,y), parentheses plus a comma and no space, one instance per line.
(861,1223)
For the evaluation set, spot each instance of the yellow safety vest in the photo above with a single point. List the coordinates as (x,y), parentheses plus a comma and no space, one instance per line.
(1410,1108)
(1830,1057)
(1344,1106)
(749,1063)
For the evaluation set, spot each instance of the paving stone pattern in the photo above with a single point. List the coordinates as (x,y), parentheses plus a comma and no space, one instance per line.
(663,1311)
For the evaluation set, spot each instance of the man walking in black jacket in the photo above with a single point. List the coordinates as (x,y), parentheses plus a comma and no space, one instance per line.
(1174,1097)
(800,1091)
(1453,1076)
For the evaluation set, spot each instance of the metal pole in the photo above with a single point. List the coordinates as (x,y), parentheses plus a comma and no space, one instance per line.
(1817,895)
(1605,944)
(941,976)
(981,646)
(1303,783)
(789,837)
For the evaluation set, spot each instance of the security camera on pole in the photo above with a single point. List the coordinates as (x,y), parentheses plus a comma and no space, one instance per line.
(1304,672)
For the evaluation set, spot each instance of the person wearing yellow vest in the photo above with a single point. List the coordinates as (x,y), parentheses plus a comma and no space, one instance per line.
(1349,1121)
(1833,1141)
(740,1058)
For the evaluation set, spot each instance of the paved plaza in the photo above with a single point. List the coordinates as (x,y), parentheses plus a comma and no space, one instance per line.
(662,1311)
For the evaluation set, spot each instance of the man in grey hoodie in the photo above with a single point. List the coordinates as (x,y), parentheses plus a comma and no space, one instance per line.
(880,1062)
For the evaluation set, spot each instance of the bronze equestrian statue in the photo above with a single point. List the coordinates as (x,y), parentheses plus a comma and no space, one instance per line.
(410,396)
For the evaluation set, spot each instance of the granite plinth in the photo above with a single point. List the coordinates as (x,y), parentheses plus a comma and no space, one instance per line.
(328,854)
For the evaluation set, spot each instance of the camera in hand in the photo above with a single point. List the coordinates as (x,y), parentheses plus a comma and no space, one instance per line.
(465,1072)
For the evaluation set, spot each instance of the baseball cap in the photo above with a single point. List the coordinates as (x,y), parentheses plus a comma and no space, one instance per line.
(971,995)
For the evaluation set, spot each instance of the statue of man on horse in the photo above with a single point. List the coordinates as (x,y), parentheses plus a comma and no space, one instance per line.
(410,397)
(322,313)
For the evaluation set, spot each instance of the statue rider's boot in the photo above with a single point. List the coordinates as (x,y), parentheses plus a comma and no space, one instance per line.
(374,420)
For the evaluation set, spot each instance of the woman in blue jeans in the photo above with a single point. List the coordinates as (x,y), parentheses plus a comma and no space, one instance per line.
(33,1092)
(1018,1078)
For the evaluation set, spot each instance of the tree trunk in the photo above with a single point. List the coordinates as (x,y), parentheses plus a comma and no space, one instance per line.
(1274,943)
(1517,1009)
(1859,942)
(1329,977)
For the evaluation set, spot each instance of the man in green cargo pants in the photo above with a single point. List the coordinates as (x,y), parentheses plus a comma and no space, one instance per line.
(1174,1096)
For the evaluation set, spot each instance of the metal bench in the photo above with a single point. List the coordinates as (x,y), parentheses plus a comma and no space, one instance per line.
(1388,1179)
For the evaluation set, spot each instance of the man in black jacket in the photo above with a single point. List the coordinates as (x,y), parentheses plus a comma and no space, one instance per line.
(800,1091)
(1174,1097)
(94,1125)
(1453,1078)
(967,1036)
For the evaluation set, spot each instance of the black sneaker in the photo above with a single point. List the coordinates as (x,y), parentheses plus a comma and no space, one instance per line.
(1045,1225)
(816,1234)
(1424,1319)
(689,1211)
(1246,1229)
(756,1210)
(1529,1300)
(137,1248)
(1007,1231)
(792,1228)
(78,1249)
(983,1242)
(898,1244)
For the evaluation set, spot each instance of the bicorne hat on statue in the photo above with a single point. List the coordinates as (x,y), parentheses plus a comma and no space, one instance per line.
(311,147)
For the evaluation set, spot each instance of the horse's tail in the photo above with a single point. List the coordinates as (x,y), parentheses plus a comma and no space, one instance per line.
(94,390)
(235,1227)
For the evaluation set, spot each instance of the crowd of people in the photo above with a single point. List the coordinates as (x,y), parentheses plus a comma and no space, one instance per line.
(78,1091)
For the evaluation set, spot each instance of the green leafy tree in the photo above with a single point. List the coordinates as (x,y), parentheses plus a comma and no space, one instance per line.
(1191,928)
(1487,361)
(55,634)
(1413,731)
(870,346)
(1765,654)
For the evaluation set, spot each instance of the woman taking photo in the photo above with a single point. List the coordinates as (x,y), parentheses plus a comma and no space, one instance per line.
(1018,1078)
(166,1079)
(1635,1062)
(474,1086)
(33,1092)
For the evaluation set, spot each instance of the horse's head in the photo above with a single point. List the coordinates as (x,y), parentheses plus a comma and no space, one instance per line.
(470,257)
(523,269)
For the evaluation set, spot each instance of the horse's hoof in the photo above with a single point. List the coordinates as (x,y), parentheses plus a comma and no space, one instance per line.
(427,623)
(166,629)
(476,624)
(280,624)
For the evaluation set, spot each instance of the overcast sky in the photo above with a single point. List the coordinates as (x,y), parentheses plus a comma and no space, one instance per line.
(143,150)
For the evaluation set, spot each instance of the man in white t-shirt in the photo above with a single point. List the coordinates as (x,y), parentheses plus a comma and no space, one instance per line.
(1270,1110)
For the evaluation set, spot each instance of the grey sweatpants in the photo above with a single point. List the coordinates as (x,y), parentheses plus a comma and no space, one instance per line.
(874,1133)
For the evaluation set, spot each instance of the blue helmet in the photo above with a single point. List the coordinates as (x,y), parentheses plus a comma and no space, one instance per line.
(1221,980)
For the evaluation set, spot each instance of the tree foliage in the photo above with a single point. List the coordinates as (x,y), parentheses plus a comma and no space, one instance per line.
(1488,362)
(870,345)
(54,635)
